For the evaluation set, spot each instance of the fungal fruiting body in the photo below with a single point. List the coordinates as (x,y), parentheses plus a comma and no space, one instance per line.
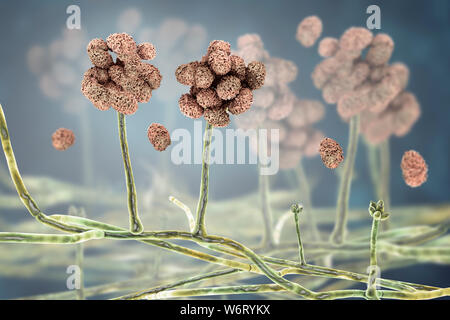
(414,169)
(366,85)
(125,82)
(121,84)
(158,136)
(220,84)
(63,139)
(277,107)
(331,153)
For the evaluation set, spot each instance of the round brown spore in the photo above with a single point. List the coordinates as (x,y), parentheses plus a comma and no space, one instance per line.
(95,90)
(185,73)
(123,45)
(242,102)
(219,45)
(255,74)
(150,74)
(331,153)
(208,98)
(158,136)
(98,53)
(146,51)
(189,106)
(220,62)
(414,169)
(238,67)
(62,139)
(228,87)
(203,77)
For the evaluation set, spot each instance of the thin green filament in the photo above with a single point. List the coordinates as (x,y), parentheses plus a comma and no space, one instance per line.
(204,188)
(340,227)
(135,223)
(264,189)
(82,229)
(297,209)
(371,291)
(305,194)
(385,173)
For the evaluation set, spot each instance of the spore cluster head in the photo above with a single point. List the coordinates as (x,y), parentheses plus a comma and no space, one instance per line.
(366,84)
(123,83)
(221,83)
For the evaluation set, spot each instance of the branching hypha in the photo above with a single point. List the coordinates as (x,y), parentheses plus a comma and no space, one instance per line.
(233,257)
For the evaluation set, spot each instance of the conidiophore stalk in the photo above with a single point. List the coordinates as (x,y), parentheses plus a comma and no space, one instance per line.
(374,167)
(385,172)
(200,228)
(305,193)
(380,170)
(296,210)
(378,214)
(340,226)
(136,226)
(80,263)
(268,240)
(264,186)
(22,191)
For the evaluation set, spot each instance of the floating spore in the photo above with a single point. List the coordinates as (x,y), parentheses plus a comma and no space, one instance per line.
(414,169)
(158,136)
(331,153)
(62,139)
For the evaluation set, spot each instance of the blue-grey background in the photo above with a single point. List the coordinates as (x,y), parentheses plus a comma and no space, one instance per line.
(420,29)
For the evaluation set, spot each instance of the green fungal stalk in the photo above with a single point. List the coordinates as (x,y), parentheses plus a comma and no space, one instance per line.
(340,227)
(135,223)
(380,171)
(235,259)
(264,189)
(305,193)
(385,172)
(296,210)
(378,214)
(200,228)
